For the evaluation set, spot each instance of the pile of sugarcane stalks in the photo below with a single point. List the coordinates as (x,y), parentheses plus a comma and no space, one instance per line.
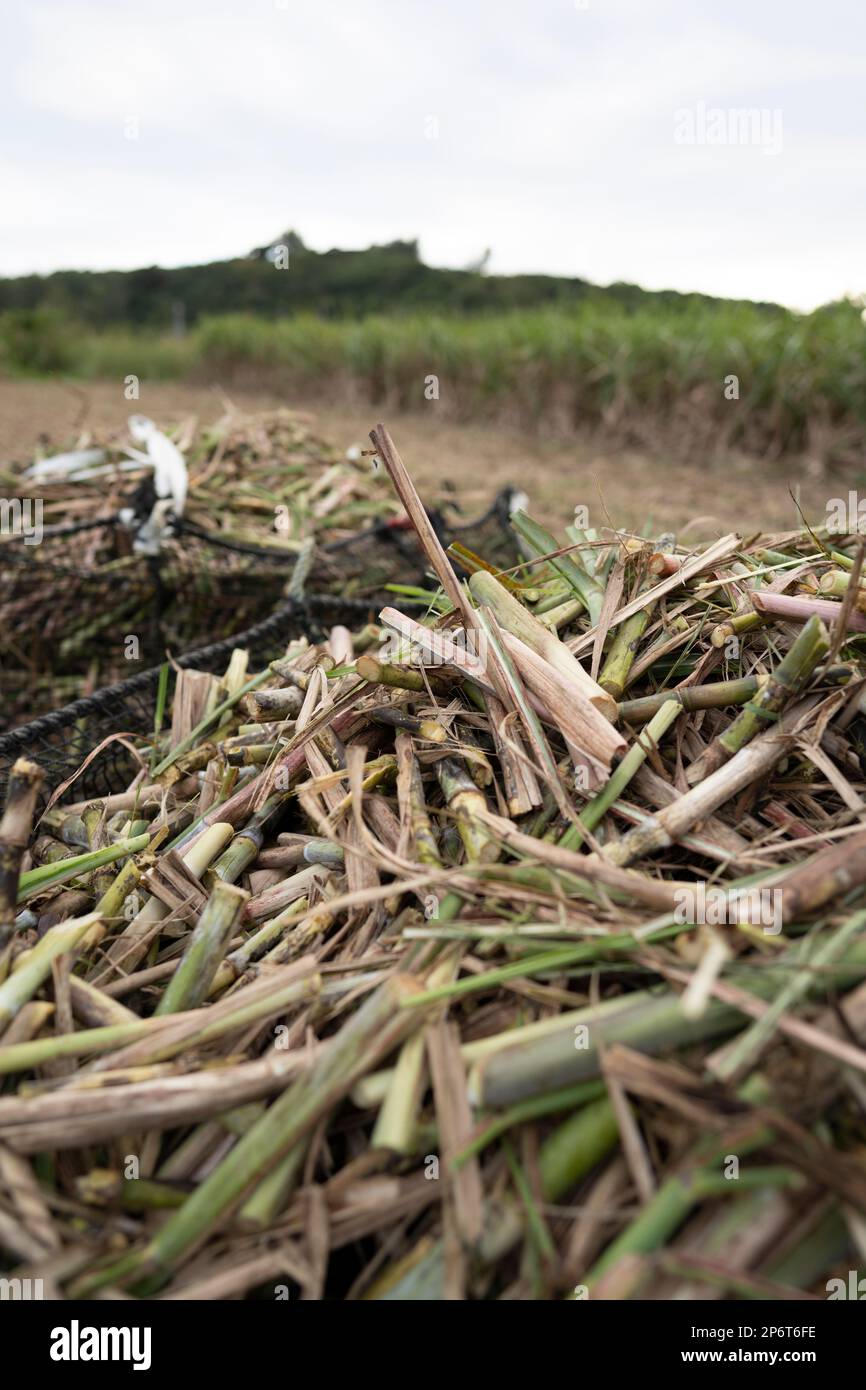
(270,508)
(514,951)
(242,469)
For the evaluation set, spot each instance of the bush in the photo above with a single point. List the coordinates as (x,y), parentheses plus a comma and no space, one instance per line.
(36,340)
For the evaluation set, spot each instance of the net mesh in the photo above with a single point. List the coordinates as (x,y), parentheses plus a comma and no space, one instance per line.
(63,739)
(172,603)
(82,609)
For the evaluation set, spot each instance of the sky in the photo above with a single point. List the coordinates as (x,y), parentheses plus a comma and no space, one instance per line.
(712,145)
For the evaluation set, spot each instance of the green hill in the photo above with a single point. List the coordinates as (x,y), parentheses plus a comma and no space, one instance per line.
(333,284)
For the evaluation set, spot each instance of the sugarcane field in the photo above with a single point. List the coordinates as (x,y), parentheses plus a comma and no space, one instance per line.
(432,680)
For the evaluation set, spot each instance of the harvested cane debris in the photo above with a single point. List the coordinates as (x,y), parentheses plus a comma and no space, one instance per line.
(126,547)
(520,952)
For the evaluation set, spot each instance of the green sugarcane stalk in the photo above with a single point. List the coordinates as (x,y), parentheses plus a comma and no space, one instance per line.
(671,1204)
(269,1197)
(397,1122)
(511,614)
(836,583)
(398,1115)
(675,1200)
(424,841)
(49,875)
(722,1238)
(374,1031)
(110,906)
(826,1241)
(262,940)
(395,718)
(553,594)
(283,703)
(745,1049)
(246,845)
(466,801)
(324,852)
(574,1148)
(402,677)
(190,984)
(103,1187)
(293,943)
(252,754)
(693,697)
(541,542)
(47,850)
(733,627)
(555,960)
(557,615)
(93,817)
(198,1027)
(569,1098)
(614,674)
(23,983)
(647,1022)
(372,1090)
(788,679)
(626,769)
(626,640)
(111,903)
(26,1056)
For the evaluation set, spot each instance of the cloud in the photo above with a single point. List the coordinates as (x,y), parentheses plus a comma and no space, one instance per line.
(553,132)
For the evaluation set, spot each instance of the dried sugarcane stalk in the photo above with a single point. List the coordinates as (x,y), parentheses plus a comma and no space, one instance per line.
(15,830)
(465,801)
(613,676)
(800,610)
(751,762)
(401,677)
(518,621)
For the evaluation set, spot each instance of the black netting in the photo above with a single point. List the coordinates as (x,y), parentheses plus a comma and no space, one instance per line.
(70,605)
(71,623)
(61,740)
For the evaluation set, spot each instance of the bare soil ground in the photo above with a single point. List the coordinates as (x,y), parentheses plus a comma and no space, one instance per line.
(624,488)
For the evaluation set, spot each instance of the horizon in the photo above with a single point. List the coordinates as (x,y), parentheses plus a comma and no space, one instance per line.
(360,250)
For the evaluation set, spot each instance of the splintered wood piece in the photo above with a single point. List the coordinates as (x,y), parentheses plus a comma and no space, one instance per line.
(176,886)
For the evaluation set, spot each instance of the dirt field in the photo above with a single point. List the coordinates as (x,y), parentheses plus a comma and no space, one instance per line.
(626,489)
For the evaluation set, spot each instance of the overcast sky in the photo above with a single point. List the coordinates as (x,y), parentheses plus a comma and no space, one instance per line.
(597,138)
